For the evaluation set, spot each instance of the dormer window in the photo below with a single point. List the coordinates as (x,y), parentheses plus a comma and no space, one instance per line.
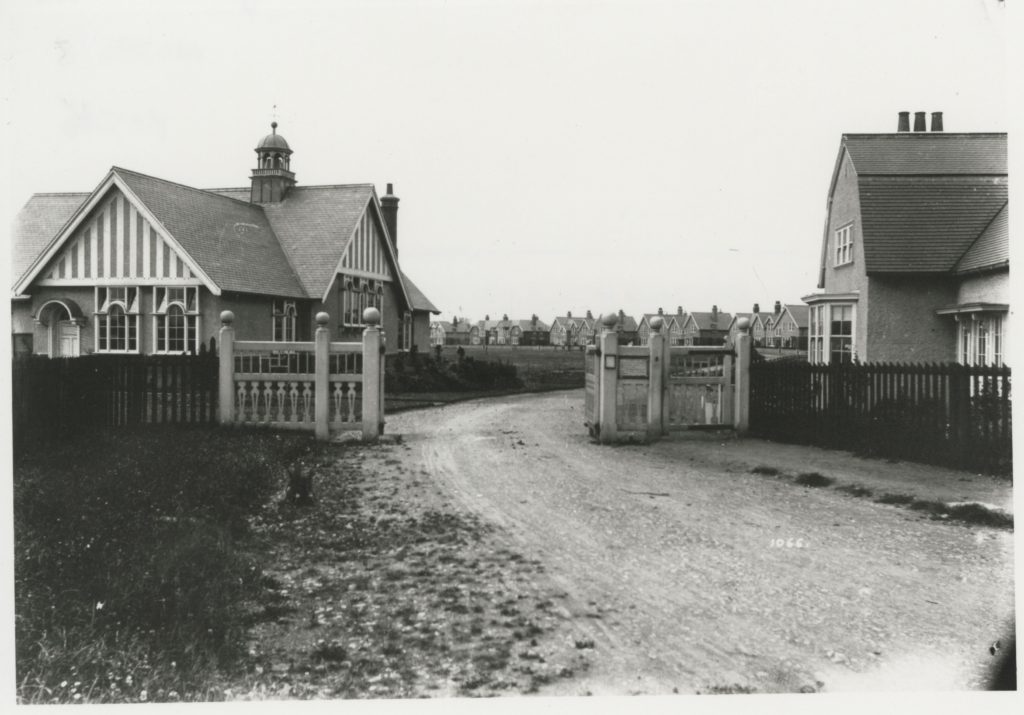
(844,245)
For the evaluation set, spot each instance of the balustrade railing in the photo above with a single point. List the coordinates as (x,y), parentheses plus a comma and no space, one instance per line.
(320,385)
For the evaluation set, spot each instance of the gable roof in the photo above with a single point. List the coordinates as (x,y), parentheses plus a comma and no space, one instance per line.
(925,198)
(417,301)
(925,224)
(231,240)
(36,224)
(291,248)
(702,320)
(799,312)
(923,153)
(992,249)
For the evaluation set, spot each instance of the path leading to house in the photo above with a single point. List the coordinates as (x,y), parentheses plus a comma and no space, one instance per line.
(690,573)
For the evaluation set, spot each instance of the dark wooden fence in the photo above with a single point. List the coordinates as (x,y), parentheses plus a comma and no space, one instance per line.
(946,414)
(65,396)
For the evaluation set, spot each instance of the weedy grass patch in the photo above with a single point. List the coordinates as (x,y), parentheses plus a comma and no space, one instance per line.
(814,479)
(132,561)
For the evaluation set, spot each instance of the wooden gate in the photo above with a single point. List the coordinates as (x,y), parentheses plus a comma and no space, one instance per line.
(699,387)
(648,391)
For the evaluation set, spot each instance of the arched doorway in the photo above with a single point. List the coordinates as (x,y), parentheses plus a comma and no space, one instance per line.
(63,323)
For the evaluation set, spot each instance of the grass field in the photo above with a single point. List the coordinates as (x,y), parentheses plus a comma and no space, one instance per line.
(538,367)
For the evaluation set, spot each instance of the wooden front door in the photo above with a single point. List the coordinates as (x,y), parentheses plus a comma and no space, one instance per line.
(68,339)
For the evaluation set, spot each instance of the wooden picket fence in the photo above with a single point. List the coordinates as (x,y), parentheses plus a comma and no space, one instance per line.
(947,414)
(60,397)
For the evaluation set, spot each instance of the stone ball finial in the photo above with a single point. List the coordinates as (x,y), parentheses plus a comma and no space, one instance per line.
(322,319)
(656,323)
(609,320)
(743,324)
(227,317)
(371,316)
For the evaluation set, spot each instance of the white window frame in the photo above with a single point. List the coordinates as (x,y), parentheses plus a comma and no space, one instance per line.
(972,349)
(127,300)
(820,337)
(843,254)
(186,300)
(285,321)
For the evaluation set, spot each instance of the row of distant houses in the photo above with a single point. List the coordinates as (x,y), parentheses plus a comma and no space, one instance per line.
(785,327)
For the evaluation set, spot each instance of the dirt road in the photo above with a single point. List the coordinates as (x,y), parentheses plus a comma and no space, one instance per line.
(690,573)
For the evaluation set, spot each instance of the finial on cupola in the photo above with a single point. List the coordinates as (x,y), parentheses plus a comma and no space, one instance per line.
(272,177)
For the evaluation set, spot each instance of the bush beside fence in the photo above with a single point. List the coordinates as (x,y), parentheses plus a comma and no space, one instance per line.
(947,414)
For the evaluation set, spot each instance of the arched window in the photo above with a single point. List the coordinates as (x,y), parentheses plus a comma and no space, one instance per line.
(285,321)
(176,316)
(117,319)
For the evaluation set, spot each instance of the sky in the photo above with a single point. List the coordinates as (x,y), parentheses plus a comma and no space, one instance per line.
(550,156)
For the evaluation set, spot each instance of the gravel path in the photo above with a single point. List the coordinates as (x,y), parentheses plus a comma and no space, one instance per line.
(690,573)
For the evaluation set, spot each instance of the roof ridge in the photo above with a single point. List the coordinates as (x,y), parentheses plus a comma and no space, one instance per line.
(62,193)
(925,134)
(180,185)
(294,188)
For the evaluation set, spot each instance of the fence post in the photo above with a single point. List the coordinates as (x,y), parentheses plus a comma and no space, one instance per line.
(373,376)
(609,371)
(741,388)
(656,394)
(321,384)
(226,377)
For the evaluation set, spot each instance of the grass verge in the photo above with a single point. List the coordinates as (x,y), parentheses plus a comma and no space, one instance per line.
(132,560)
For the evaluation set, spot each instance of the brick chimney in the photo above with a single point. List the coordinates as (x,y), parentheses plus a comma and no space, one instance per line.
(714,316)
(936,121)
(778,307)
(919,123)
(903,125)
(389,209)
(757,308)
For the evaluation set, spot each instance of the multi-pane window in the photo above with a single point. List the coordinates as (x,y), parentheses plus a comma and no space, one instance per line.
(285,321)
(816,338)
(841,334)
(358,294)
(176,319)
(830,338)
(844,245)
(117,319)
(981,340)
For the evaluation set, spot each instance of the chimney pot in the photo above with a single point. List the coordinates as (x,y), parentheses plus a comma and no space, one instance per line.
(389,211)
(936,121)
(919,122)
(904,122)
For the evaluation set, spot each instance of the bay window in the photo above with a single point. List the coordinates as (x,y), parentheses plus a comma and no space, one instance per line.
(830,335)
(980,339)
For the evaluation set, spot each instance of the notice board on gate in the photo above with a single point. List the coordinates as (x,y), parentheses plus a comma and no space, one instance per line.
(635,367)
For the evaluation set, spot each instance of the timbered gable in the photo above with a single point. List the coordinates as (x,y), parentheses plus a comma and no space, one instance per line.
(114,243)
(367,254)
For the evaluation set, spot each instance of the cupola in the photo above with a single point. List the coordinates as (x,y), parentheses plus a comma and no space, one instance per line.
(272,176)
